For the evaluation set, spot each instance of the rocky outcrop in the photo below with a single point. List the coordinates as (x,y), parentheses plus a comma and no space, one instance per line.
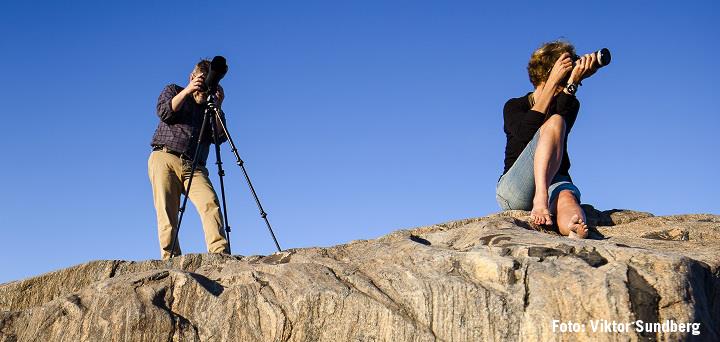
(485,279)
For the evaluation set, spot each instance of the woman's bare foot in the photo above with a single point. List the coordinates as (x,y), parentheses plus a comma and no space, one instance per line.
(578,229)
(540,214)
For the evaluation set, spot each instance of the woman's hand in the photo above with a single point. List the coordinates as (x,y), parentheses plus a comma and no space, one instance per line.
(559,70)
(585,67)
(545,92)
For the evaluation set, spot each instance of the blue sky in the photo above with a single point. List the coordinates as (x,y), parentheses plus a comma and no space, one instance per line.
(355,118)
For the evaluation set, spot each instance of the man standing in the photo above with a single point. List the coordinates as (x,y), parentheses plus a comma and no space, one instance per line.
(181,112)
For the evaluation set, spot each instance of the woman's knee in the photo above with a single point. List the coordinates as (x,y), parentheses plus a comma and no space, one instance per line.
(554,123)
(567,197)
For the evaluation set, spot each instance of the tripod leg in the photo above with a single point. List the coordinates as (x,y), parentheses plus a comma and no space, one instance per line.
(240,163)
(221,174)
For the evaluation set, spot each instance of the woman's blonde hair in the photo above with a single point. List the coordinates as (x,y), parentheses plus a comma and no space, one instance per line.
(543,59)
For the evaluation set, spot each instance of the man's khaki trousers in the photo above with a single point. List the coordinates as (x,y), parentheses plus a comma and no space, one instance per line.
(169,175)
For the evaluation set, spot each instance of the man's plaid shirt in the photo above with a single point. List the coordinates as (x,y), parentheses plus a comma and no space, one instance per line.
(178,131)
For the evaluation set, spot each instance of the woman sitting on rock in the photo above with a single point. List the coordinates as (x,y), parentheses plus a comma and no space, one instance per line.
(536,173)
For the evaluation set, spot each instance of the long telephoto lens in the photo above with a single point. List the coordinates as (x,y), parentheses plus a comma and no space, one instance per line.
(218,68)
(602,56)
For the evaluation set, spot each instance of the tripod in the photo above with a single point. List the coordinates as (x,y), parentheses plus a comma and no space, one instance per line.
(213,118)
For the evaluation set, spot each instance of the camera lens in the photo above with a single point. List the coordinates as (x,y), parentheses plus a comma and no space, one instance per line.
(603,57)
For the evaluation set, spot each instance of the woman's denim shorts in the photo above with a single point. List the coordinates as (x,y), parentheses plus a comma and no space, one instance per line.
(516,188)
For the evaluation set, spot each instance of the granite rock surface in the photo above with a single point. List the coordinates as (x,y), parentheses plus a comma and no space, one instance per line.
(493,278)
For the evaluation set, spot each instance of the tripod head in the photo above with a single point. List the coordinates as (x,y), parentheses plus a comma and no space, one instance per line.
(211,102)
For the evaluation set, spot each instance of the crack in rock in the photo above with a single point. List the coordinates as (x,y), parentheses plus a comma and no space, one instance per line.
(644,299)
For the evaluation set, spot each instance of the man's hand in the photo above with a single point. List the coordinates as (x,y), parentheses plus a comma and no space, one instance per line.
(197,83)
(585,67)
(559,70)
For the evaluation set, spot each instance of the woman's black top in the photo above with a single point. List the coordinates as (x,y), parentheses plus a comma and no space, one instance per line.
(521,123)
